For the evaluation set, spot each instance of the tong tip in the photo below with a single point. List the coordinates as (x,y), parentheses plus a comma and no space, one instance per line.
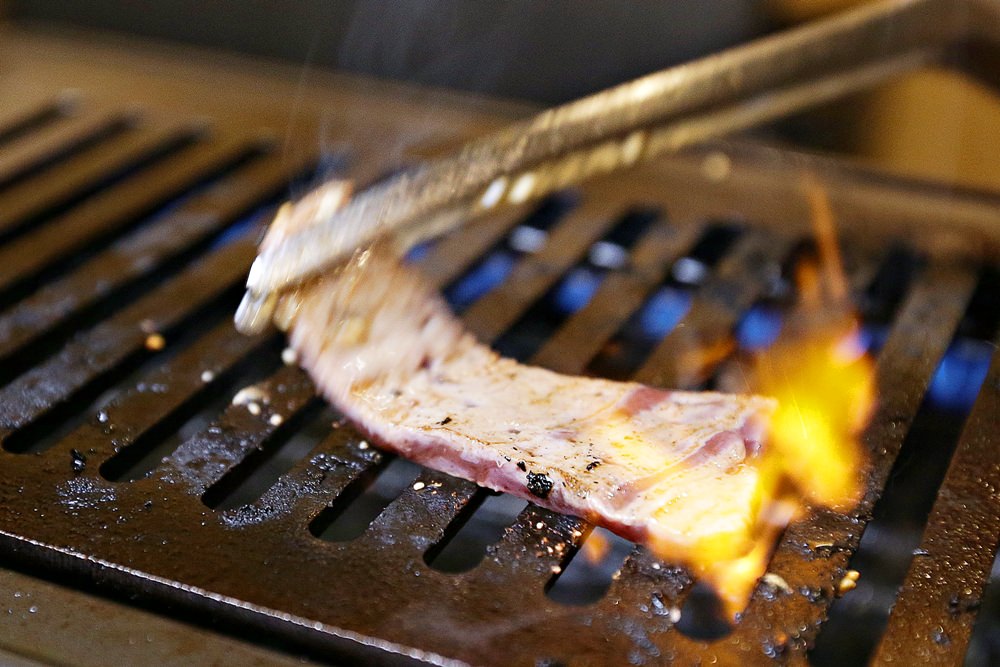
(254,312)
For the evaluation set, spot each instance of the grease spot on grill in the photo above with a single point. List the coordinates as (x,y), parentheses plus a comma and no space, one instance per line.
(775,647)
(85,493)
(940,636)
(812,593)
(963,603)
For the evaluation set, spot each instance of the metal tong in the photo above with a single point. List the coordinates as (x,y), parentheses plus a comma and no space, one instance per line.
(611,130)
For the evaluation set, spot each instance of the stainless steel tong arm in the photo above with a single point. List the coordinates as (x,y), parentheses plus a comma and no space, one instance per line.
(611,130)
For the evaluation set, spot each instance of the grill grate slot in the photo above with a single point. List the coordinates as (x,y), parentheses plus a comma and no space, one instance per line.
(106,351)
(351,516)
(57,142)
(68,241)
(295,436)
(687,356)
(945,583)
(535,273)
(576,288)
(35,327)
(33,203)
(589,574)
(582,336)
(245,426)
(531,235)
(482,526)
(20,123)
(198,383)
(890,539)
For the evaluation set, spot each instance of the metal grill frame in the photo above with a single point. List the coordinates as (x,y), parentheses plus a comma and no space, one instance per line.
(258,565)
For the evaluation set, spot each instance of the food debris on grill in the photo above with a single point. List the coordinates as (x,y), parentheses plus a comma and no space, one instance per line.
(155,342)
(848,583)
(78,461)
(254,398)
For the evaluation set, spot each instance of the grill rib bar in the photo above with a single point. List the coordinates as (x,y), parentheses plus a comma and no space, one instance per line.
(60,305)
(68,182)
(117,209)
(205,459)
(312,483)
(182,384)
(93,354)
(813,554)
(16,122)
(452,256)
(932,619)
(535,273)
(684,359)
(620,295)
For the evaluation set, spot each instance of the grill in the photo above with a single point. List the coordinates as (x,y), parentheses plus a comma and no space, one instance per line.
(129,211)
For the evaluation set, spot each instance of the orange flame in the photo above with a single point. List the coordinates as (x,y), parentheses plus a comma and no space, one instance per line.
(824,383)
(595,548)
(825,386)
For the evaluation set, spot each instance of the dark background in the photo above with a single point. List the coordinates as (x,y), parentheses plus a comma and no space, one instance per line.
(542,50)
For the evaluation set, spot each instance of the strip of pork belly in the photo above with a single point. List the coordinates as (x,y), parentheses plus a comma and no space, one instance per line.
(675,470)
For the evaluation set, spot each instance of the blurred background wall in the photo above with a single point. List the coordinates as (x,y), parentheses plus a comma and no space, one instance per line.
(936,124)
(547,51)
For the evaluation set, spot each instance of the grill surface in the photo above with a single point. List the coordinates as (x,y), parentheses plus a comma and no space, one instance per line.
(128,212)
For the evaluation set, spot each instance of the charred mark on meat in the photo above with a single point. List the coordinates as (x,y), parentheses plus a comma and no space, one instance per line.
(445,421)
(522,466)
(539,484)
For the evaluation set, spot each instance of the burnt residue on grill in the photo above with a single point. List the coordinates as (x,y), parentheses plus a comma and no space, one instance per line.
(175,462)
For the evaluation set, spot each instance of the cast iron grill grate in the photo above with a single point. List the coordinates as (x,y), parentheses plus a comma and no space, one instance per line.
(126,238)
